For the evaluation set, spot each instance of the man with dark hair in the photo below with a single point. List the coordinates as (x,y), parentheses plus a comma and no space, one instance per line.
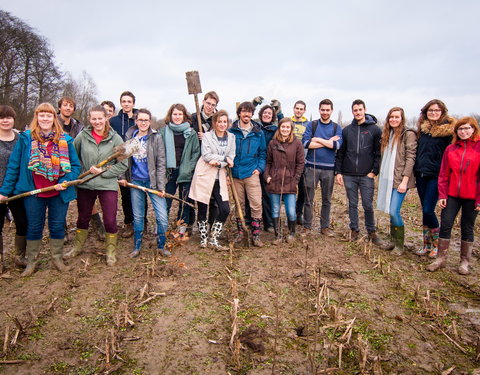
(322,138)
(109,107)
(357,164)
(209,105)
(66,109)
(120,123)
(300,122)
(249,163)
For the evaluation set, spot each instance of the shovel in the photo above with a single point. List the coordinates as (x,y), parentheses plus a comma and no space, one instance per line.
(194,87)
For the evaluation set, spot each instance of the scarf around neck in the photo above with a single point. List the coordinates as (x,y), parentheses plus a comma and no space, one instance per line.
(170,130)
(49,165)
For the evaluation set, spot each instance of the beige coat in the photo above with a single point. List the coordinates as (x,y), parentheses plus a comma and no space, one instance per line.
(405,159)
(205,174)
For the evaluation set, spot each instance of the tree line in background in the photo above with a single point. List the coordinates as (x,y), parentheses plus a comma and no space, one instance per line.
(29,74)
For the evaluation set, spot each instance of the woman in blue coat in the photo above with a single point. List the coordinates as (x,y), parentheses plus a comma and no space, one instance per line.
(44,156)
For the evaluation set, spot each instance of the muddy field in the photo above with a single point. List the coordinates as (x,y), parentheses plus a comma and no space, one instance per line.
(318,306)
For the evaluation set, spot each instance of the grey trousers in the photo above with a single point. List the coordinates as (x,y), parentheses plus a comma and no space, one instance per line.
(312,178)
(364,184)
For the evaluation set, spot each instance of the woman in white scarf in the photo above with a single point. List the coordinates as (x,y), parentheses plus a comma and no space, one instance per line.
(399,147)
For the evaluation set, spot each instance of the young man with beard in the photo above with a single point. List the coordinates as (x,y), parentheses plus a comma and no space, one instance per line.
(66,109)
(249,163)
(300,122)
(322,138)
(121,123)
(357,164)
(209,105)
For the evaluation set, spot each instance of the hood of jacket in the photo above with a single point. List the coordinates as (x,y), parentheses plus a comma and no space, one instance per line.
(369,120)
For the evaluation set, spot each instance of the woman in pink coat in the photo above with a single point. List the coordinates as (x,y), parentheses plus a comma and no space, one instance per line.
(210,178)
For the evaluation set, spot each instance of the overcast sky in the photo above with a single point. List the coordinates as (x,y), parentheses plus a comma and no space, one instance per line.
(400,53)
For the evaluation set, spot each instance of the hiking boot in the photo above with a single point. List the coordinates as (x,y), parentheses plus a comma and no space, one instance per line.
(203,230)
(111,245)
(165,253)
(354,234)
(215,233)
(465,257)
(56,250)
(327,232)
(127,231)
(32,249)
(20,246)
(80,238)
(377,241)
(398,238)
(441,260)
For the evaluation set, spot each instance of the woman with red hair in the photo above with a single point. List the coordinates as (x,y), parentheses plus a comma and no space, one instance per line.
(459,188)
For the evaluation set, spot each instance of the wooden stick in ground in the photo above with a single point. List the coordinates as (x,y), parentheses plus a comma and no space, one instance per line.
(65,184)
(194,87)
(160,194)
(122,152)
(238,208)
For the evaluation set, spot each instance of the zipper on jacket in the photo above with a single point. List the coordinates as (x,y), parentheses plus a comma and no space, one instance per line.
(358,148)
(461,164)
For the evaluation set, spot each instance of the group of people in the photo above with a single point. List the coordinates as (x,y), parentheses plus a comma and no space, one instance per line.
(263,162)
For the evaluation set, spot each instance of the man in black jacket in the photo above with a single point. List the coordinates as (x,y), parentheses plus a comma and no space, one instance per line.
(357,163)
(209,105)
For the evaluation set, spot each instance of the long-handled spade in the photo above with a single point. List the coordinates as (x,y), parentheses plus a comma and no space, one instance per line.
(156,192)
(238,208)
(194,87)
(122,152)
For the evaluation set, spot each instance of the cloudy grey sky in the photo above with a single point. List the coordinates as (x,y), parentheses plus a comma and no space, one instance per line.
(388,53)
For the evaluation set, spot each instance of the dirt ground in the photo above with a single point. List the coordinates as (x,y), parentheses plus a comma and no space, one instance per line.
(318,306)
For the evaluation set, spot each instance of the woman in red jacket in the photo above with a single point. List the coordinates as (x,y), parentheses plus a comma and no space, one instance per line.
(459,188)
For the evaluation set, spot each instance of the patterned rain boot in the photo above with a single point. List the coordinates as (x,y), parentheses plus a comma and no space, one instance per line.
(203,230)
(216,231)
(256,225)
(427,242)
(434,238)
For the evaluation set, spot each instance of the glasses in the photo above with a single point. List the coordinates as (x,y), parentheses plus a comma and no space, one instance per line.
(143,121)
(210,104)
(464,128)
(434,110)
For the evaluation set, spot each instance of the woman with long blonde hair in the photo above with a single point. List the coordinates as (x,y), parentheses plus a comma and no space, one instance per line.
(398,146)
(44,156)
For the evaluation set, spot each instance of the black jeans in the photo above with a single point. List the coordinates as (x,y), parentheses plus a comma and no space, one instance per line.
(19,216)
(126,204)
(223,206)
(467,221)
(183,190)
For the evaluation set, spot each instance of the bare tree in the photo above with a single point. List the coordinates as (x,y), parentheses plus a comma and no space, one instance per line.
(84,91)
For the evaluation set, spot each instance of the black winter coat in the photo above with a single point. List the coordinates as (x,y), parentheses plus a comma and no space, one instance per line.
(360,151)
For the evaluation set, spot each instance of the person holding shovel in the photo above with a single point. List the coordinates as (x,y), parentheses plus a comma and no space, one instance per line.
(285,162)
(147,168)
(8,139)
(182,152)
(210,178)
(94,144)
(44,156)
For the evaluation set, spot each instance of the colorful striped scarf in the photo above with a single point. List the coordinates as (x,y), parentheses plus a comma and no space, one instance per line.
(49,165)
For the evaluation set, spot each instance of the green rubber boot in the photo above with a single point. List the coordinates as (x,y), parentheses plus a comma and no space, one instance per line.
(56,250)
(398,239)
(80,238)
(32,249)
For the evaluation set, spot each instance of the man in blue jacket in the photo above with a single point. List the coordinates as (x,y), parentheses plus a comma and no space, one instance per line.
(322,138)
(357,164)
(120,123)
(249,163)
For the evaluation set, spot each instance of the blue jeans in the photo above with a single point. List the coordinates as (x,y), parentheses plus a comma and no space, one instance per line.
(395,206)
(138,204)
(290,205)
(36,208)
(427,188)
(183,190)
(364,184)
